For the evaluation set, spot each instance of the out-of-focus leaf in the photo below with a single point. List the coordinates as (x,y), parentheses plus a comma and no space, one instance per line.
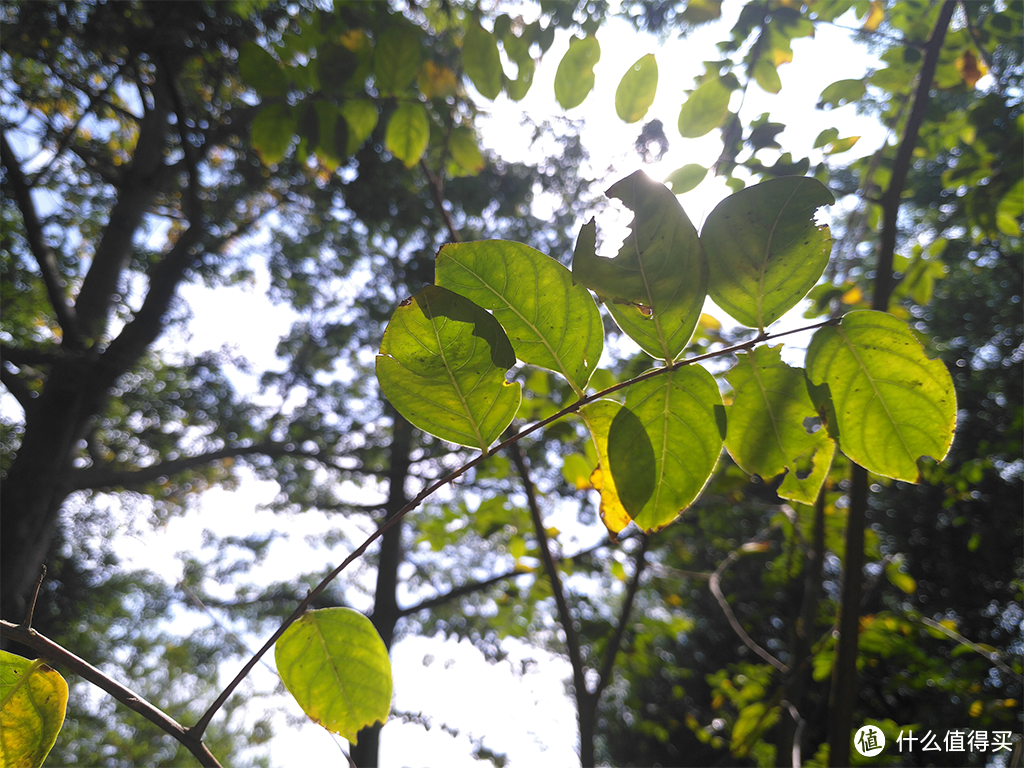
(706,108)
(465,151)
(33,701)
(841,92)
(893,404)
(551,322)
(272,132)
(637,89)
(764,249)
(656,285)
(408,133)
(396,59)
(336,666)
(766,74)
(684,179)
(261,70)
(482,61)
(574,78)
(442,364)
(361,117)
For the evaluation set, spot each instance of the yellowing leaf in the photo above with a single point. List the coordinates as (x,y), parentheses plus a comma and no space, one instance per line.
(336,666)
(970,68)
(436,81)
(33,701)
(598,416)
(875,16)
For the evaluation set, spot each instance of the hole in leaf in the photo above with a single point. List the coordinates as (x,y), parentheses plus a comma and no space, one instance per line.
(812,424)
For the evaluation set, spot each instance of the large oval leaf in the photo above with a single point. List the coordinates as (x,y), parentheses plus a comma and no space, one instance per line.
(637,89)
(766,433)
(893,404)
(408,133)
(336,666)
(706,108)
(33,701)
(764,249)
(661,447)
(396,59)
(482,61)
(551,323)
(442,364)
(574,78)
(656,286)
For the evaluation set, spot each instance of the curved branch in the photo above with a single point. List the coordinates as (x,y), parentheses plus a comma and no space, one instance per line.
(58,654)
(639,563)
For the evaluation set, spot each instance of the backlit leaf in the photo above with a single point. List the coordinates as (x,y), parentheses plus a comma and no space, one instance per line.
(336,666)
(551,322)
(482,61)
(684,179)
(33,701)
(893,404)
(465,151)
(637,89)
(261,70)
(656,285)
(574,78)
(396,59)
(766,433)
(875,16)
(766,74)
(672,418)
(442,364)
(706,108)
(599,416)
(764,249)
(841,92)
(408,133)
(272,132)
(361,116)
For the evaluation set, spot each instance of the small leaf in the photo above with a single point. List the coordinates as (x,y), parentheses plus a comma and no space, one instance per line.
(766,433)
(482,61)
(336,666)
(518,50)
(684,179)
(33,701)
(898,577)
(655,287)
(826,137)
(551,322)
(576,470)
(436,81)
(396,59)
(261,70)
(574,78)
(970,68)
(272,132)
(841,92)
(706,108)
(673,421)
(767,75)
(875,16)
(361,116)
(442,364)
(637,89)
(893,404)
(465,151)
(408,133)
(842,145)
(764,250)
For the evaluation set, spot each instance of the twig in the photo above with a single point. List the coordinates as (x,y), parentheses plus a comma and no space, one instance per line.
(608,664)
(27,622)
(187,737)
(992,656)
(204,721)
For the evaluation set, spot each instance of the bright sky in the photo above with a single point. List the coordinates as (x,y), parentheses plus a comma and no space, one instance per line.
(526,716)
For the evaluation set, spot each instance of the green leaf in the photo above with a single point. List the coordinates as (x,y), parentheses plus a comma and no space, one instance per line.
(482,61)
(464,150)
(33,701)
(574,78)
(677,413)
(766,74)
(336,666)
(261,70)
(518,50)
(841,92)
(659,449)
(551,322)
(893,404)
(335,67)
(361,116)
(764,250)
(706,108)
(637,89)
(442,364)
(1010,209)
(272,132)
(684,179)
(656,286)
(396,59)
(766,434)
(826,137)
(898,577)
(408,133)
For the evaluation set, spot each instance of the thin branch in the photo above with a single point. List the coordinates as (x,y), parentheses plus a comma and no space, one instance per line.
(52,651)
(44,255)
(608,664)
(454,475)
(884,282)
(992,656)
(572,639)
(715,582)
(437,189)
